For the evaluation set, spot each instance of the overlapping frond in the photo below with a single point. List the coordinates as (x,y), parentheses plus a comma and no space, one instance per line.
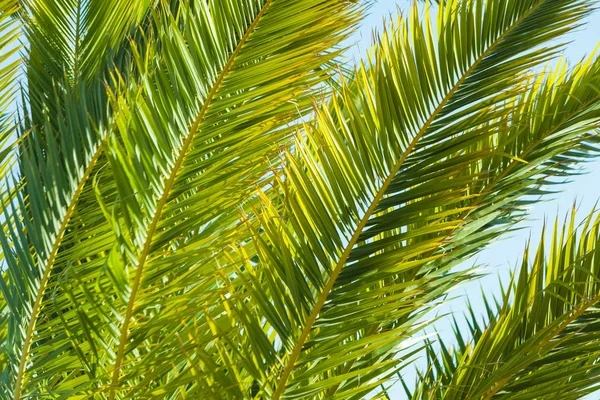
(394,181)
(70,43)
(201,229)
(60,142)
(9,62)
(541,341)
(191,143)
(45,198)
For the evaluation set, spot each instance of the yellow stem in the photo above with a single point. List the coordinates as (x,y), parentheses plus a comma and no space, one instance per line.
(162,202)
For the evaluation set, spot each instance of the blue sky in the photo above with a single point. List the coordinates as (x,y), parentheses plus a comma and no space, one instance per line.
(504,255)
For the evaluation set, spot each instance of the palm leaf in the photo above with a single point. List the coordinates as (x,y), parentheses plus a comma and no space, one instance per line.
(9,62)
(132,273)
(59,147)
(222,76)
(541,340)
(357,231)
(72,42)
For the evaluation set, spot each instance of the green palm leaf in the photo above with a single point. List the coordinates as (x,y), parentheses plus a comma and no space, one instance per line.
(9,61)
(343,268)
(71,42)
(227,77)
(204,206)
(60,144)
(541,340)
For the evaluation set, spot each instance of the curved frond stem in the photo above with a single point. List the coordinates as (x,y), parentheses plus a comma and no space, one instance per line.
(580,311)
(297,350)
(539,340)
(124,334)
(48,270)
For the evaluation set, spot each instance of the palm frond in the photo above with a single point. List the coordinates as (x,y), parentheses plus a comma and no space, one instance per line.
(367,233)
(541,340)
(38,213)
(187,223)
(232,82)
(59,146)
(70,42)
(9,62)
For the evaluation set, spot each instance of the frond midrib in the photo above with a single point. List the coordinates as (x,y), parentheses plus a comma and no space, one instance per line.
(162,202)
(297,350)
(561,327)
(25,352)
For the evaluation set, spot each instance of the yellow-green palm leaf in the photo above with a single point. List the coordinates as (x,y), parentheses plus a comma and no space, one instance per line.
(200,203)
